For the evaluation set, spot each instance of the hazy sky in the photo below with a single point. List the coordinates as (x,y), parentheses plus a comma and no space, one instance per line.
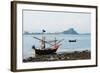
(35,21)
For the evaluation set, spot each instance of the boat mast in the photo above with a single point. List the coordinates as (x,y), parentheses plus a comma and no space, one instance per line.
(43,40)
(55,40)
(55,44)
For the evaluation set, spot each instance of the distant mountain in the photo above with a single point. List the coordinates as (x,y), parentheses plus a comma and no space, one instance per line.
(70,31)
(26,32)
(85,34)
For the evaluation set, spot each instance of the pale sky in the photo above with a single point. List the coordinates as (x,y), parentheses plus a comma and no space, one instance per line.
(35,21)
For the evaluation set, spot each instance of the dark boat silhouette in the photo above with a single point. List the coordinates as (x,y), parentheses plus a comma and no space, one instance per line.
(72,40)
(43,50)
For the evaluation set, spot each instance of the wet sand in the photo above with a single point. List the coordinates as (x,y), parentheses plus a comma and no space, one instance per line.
(75,55)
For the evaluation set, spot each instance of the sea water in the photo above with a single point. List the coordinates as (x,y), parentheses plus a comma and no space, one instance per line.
(83,42)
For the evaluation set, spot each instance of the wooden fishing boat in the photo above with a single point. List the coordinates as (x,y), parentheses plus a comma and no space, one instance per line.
(43,50)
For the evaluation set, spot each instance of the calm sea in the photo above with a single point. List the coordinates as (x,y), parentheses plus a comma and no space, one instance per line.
(83,42)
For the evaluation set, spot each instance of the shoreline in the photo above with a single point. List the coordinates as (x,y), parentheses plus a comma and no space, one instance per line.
(73,50)
(74,55)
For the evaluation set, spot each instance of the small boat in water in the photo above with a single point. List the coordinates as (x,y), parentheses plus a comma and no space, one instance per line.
(43,50)
(72,40)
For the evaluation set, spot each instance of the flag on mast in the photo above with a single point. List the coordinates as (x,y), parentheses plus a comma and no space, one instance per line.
(43,30)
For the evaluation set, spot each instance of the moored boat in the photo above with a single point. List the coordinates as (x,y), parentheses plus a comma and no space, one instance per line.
(43,50)
(72,40)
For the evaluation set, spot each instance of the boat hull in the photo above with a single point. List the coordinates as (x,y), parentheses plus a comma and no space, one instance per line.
(45,51)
